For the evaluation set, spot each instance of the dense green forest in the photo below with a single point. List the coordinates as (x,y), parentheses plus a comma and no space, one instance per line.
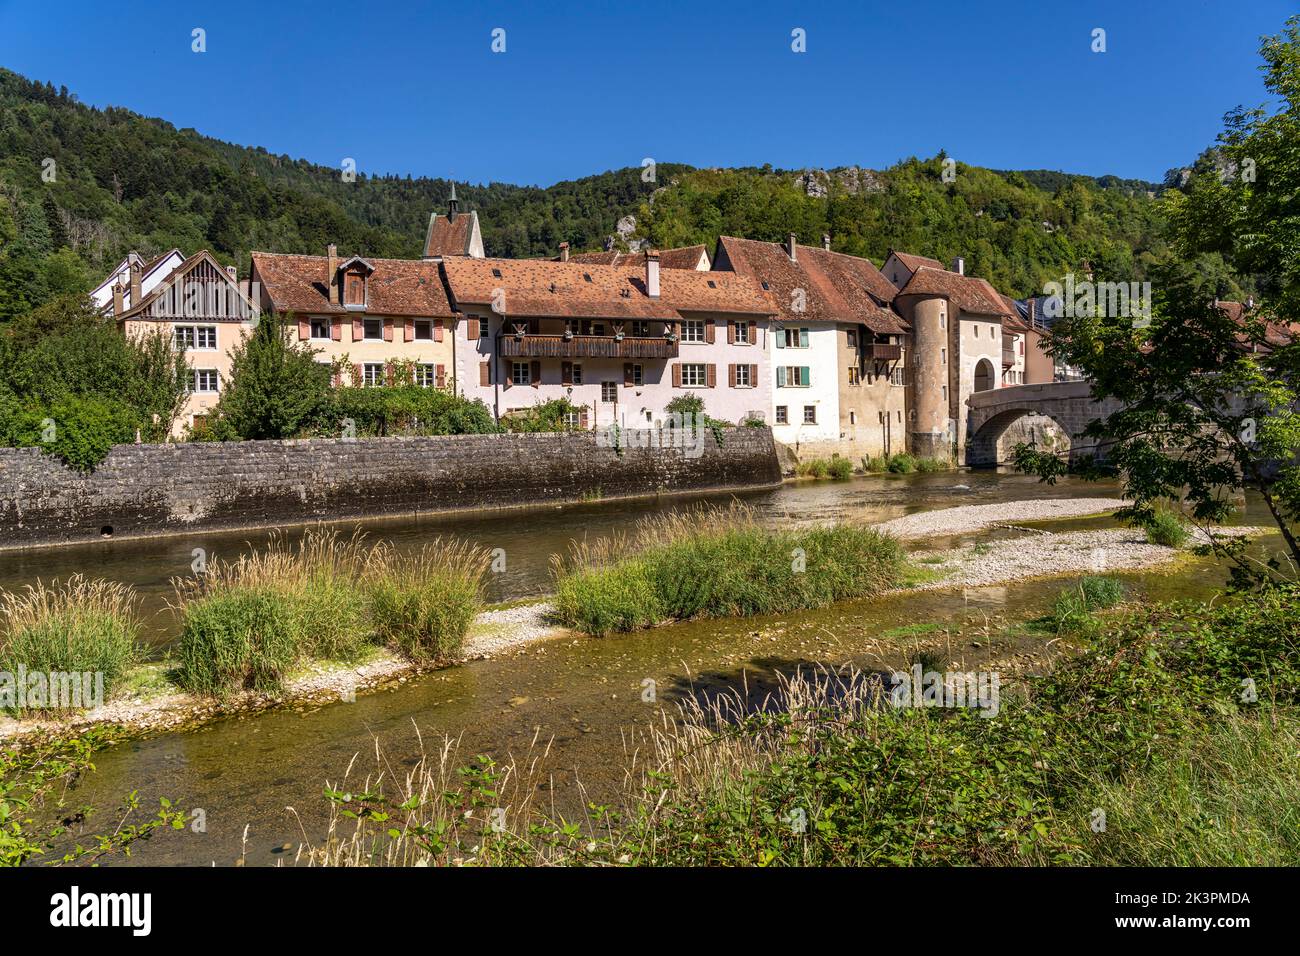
(120,181)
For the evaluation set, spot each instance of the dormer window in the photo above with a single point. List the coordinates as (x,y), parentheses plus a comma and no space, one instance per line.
(354,290)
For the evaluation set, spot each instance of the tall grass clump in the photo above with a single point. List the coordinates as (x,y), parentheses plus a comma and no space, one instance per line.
(89,627)
(1166,528)
(718,562)
(423,603)
(877,463)
(1074,606)
(815,468)
(931,465)
(840,468)
(901,464)
(238,638)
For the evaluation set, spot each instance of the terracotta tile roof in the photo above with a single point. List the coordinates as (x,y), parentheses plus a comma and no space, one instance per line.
(1276,334)
(683,257)
(915,262)
(837,287)
(539,287)
(300,284)
(449,237)
(968,293)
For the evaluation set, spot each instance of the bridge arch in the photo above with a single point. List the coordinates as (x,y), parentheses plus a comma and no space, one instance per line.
(1069,405)
(983,447)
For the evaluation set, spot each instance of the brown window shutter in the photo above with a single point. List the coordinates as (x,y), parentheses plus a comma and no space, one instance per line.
(440,375)
(389,373)
(357,330)
(336,330)
(471,329)
(711,375)
(304,329)
(731,376)
(677,375)
(582,416)
(731,333)
(752,333)
(708,331)
(388,330)
(408,330)
(337,378)
(484,373)
(566,373)
(358,375)
(437,330)
(627,375)
(535,368)
(753,376)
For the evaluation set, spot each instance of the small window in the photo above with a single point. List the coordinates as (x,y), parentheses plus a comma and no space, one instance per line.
(945,392)
(977,330)
(496,273)
(372,330)
(766,287)
(854,377)
(742,376)
(694,375)
(573,418)
(712,284)
(810,414)
(426,376)
(320,328)
(577,373)
(693,330)
(943,356)
(852,338)
(205,380)
(853,418)
(609,392)
(638,376)
(641,329)
(782,415)
(586,276)
(794,338)
(205,336)
(372,374)
(742,333)
(185,336)
(898,376)
(483,328)
(423,330)
(521,373)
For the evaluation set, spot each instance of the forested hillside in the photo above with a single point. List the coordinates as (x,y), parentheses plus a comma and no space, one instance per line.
(120,181)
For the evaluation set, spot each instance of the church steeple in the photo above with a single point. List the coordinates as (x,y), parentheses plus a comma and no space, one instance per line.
(453,207)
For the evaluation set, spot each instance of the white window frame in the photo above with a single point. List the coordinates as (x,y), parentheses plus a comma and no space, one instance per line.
(782,415)
(426,375)
(365,330)
(325,323)
(742,371)
(372,374)
(807,410)
(693,330)
(576,374)
(197,377)
(741,334)
(697,370)
(521,373)
(609,392)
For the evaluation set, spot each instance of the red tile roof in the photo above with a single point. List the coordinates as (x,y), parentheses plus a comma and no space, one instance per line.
(538,287)
(968,293)
(300,284)
(683,257)
(1276,334)
(449,237)
(915,262)
(837,287)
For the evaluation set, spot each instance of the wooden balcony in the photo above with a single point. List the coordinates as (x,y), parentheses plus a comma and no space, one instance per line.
(588,346)
(885,353)
(1008,357)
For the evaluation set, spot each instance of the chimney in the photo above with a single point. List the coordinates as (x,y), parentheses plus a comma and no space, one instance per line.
(652,273)
(959,266)
(135,284)
(332,267)
(233,273)
(453,207)
(790,248)
(117,297)
(564,252)
(1032,303)
(826,241)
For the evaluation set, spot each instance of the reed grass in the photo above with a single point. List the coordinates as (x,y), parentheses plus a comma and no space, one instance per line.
(424,603)
(74,626)
(717,562)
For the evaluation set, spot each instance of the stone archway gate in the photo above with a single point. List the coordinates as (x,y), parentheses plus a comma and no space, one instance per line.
(1069,404)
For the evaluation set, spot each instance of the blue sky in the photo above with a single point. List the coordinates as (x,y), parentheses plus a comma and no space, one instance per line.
(585,87)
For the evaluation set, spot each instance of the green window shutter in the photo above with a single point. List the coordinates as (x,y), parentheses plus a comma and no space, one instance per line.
(780,376)
(780,338)
(805,375)
(803,338)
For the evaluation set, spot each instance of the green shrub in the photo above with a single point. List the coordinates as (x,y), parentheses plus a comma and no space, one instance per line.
(423,603)
(720,563)
(880,463)
(238,639)
(813,468)
(930,465)
(902,464)
(1074,606)
(1166,528)
(79,626)
(840,468)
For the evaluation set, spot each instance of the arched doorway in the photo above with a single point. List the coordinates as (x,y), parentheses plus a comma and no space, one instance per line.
(984,379)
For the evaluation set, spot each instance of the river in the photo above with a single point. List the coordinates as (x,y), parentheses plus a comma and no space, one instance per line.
(584,695)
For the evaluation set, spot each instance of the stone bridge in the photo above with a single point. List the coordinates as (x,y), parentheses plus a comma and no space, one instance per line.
(1069,404)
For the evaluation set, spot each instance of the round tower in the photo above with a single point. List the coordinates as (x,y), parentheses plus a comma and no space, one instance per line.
(929,421)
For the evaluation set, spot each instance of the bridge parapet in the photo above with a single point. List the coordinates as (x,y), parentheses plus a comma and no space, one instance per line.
(1069,404)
